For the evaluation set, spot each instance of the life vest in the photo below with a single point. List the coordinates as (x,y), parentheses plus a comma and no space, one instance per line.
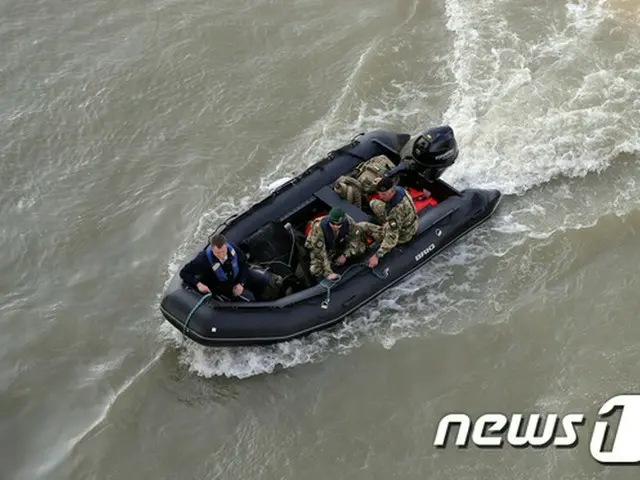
(328,233)
(216,265)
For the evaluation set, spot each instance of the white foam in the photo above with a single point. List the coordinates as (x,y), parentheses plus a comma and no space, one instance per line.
(519,128)
(586,15)
(277,183)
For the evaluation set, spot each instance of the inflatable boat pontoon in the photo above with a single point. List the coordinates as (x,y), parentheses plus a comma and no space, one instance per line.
(271,233)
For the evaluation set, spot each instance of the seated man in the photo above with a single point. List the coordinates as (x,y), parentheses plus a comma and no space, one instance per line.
(221,268)
(397,214)
(333,238)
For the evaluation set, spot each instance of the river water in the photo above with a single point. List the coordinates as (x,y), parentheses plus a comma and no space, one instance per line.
(129,130)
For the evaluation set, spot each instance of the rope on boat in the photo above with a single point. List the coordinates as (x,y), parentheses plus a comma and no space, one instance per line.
(328,286)
(193,310)
(323,284)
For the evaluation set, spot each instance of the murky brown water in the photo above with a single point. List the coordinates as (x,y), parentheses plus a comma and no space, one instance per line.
(128,130)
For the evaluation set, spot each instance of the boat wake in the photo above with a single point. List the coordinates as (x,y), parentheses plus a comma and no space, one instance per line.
(535,115)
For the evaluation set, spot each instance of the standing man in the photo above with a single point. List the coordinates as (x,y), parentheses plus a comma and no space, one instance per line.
(398,217)
(222,268)
(333,239)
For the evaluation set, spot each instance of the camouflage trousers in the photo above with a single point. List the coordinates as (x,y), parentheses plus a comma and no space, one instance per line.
(378,232)
(317,266)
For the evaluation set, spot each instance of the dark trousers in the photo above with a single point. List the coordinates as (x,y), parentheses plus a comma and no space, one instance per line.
(253,287)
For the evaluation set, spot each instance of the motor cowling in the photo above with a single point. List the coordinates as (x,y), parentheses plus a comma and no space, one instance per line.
(434,151)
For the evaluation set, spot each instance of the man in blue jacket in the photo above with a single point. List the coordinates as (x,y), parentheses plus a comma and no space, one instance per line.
(223,269)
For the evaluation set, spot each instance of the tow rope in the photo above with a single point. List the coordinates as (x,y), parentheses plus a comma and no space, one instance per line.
(193,310)
(325,303)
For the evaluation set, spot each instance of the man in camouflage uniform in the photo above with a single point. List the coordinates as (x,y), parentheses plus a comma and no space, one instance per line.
(333,239)
(397,214)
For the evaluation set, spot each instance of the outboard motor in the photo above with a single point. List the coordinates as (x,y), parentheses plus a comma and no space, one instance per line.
(434,151)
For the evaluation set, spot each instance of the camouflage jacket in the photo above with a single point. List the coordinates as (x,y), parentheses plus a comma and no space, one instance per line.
(400,226)
(321,256)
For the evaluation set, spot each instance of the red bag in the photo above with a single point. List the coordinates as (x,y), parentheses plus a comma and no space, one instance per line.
(421,199)
(307,227)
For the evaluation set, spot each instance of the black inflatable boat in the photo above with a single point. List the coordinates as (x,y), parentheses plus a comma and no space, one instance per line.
(271,233)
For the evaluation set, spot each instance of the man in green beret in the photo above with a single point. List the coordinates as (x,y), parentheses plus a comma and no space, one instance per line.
(332,240)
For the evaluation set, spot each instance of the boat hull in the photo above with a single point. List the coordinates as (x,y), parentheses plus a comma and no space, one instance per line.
(313,309)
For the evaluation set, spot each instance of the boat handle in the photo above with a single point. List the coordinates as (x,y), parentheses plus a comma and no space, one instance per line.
(442,217)
(349,300)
